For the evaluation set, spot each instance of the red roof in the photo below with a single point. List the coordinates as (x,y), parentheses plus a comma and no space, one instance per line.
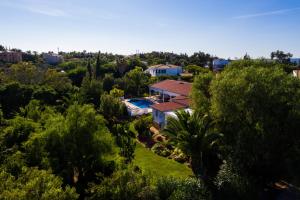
(167,106)
(178,87)
(182,100)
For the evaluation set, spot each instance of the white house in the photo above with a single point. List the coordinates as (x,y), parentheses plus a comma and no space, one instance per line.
(219,64)
(296,73)
(295,61)
(172,95)
(167,69)
(52,58)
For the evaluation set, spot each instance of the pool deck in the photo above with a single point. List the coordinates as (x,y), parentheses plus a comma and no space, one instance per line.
(134,110)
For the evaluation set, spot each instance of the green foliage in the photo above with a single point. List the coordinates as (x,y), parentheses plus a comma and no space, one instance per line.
(13,96)
(98,67)
(90,91)
(258,109)
(25,73)
(118,93)
(70,65)
(34,184)
(159,166)
(79,145)
(57,80)
(183,189)
(196,69)
(77,75)
(112,108)
(281,57)
(142,126)
(136,82)
(17,131)
(124,185)
(125,140)
(200,92)
(108,82)
(194,134)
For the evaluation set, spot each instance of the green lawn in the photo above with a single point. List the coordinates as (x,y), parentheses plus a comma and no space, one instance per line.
(159,166)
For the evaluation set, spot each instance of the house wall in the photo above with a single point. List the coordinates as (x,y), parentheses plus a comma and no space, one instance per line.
(12,57)
(219,64)
(167,71)
(158,117)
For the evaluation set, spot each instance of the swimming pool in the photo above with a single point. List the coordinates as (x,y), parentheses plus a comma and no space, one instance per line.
(141,103)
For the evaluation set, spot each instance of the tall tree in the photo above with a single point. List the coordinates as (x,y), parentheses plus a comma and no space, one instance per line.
(281,56)
(258,111)
(98,66)
(89,70)
(195,136)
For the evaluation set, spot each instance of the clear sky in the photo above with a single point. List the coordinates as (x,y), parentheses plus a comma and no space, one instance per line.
(225,28)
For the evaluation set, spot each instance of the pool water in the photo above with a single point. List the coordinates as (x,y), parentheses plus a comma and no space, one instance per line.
(141,103)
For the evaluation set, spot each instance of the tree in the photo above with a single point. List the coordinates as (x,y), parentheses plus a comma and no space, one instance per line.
(13,96)
(34,184)
(89,70)
(108,82)
(136,81)
(112,108)
(258,111)
(90,91)
(98,67)
(200,92)
(195,136)
(79,146)
(77,75)
(281,56)
(125,139)
(57,80)
(196,69)
(118,93)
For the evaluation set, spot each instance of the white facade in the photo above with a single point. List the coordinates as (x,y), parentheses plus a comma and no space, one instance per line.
(219,64)
(161,70)
(52,58)
(296,61)
(161,118)
(296,73)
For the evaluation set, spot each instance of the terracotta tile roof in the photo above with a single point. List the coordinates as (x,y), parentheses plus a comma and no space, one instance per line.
(182,100)
(167,106)
(162,66)
(178,87)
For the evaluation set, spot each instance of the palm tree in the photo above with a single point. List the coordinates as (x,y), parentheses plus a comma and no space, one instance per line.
(195,136)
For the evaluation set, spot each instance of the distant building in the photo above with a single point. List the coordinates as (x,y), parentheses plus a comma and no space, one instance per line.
(219,64)
(10,56)
(52,58)
(167,69)
(296,73)
(295,61)
(172,95)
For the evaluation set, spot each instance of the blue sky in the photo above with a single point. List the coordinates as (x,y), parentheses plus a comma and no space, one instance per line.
(226,28)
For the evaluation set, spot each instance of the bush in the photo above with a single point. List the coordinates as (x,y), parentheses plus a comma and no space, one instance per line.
(170,188)
(161,150)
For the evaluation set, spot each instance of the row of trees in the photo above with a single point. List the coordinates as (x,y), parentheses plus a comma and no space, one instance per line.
(243,135)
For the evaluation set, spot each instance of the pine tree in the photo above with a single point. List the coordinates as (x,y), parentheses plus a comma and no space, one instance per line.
(89,70)
(98,67)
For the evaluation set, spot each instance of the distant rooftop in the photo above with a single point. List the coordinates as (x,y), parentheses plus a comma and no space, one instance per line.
(167,106)
(163,66)
(178,87)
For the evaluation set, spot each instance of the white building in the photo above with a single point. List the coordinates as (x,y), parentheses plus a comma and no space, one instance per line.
(52,58)
(219,64)
(295,61)
(173,95)
(296,73)
(167,69)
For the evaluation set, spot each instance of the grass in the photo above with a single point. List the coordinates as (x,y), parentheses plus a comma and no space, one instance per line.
(159,166)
